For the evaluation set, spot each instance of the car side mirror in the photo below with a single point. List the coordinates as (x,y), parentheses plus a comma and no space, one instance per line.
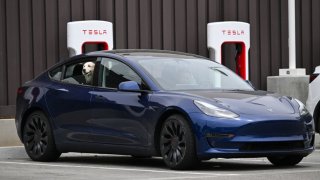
(130,86)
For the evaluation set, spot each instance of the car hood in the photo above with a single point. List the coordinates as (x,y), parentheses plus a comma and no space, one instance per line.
(249,102)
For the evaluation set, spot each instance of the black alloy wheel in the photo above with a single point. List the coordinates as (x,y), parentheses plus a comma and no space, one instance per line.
(177,145)
(38,139)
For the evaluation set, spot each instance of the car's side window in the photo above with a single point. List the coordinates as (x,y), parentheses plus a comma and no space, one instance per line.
(113,72)
(80,72)
(56,73)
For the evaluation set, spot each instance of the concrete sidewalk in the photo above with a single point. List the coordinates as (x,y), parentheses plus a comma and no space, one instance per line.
(8,133)
(9,137)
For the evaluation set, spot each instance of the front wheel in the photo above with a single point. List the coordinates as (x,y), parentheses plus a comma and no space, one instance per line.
(38,138)
(285,160)
(177,144)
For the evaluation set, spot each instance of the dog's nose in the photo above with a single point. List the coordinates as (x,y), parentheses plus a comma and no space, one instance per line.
(83,70)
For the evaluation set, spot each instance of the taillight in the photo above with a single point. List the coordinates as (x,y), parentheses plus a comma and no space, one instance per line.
(312,77)
(20,91)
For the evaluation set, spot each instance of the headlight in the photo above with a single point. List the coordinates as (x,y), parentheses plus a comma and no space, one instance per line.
(302,108)
(215,111)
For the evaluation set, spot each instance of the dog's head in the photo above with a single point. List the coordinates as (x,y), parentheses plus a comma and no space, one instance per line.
(88,68)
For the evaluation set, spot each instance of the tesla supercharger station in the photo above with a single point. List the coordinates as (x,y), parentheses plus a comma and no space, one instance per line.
(230,32)
(80,33)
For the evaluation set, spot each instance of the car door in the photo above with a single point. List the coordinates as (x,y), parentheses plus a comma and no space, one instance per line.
(68,100)
(118,118)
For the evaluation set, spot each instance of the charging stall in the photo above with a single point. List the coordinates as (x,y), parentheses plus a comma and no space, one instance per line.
(230,32)
(82,33)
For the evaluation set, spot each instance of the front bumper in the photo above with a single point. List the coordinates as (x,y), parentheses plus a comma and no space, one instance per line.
(250,136)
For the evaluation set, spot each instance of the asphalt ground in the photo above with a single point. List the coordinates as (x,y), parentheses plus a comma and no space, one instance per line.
(15,164)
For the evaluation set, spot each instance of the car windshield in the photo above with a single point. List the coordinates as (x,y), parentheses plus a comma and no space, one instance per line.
(190,73)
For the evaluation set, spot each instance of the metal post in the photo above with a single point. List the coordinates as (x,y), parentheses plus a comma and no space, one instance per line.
(292,34)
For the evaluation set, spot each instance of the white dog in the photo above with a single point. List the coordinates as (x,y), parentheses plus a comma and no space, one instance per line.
(87,71)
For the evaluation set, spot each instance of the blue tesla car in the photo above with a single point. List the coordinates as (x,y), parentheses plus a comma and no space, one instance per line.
(182,107)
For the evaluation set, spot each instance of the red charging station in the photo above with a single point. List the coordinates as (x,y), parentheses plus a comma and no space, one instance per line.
(230,32)
(81,33)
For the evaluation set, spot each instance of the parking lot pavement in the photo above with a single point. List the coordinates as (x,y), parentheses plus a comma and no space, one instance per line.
(14,164)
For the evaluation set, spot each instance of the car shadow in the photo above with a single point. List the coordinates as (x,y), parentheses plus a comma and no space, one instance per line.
(157,163)
(114,160)
(230,165)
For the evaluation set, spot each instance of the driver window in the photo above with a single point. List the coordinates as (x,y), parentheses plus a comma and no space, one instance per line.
(112,73)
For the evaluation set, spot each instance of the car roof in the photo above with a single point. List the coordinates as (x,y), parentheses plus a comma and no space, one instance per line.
(146,52)
(127,53)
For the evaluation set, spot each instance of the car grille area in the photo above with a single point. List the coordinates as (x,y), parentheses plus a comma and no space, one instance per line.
(270,146)
(263,136)
(261,146)
(272,128)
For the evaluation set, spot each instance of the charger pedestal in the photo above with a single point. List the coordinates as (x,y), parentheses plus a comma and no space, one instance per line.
(290,82)
(230,32)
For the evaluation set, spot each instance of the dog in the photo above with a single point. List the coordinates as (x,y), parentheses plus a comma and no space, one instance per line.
(87,71)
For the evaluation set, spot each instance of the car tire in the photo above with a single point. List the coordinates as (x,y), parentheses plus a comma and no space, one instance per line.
(285,160)
(177,144)
(318,123)
(38,138)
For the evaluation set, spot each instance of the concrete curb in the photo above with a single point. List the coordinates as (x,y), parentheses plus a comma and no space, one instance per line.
(9,136)
(8,133)
(317,141)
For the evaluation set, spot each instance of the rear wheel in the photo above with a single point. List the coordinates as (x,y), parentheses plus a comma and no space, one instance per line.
(177,144)
(316,117)
(318,123)
(38,139)
(285,160)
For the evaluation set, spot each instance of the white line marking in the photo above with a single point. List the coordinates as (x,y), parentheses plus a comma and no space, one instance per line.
(281,172)
(186,177)
(7,147)
(119,169)
(266,161)
(244,174)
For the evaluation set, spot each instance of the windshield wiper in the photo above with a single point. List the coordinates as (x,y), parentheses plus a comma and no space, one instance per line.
(216,69)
